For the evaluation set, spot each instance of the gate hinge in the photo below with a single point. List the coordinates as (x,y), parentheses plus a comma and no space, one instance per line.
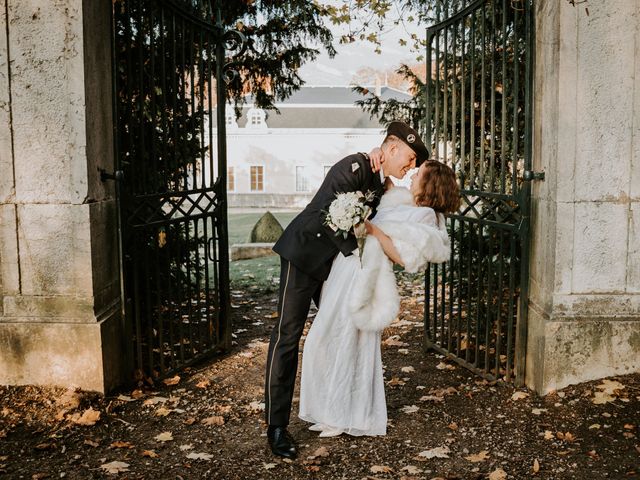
(117,175)
(529,175)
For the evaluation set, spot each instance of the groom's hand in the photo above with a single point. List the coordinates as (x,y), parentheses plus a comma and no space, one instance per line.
(375,158)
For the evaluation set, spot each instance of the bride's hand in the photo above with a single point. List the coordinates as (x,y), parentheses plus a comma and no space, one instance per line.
(370,227)
(375,158)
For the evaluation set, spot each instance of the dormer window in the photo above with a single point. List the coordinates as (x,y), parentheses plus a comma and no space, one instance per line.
(256,118)
(230,120)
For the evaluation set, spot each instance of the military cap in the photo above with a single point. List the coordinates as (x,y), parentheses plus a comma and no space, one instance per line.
(409,136)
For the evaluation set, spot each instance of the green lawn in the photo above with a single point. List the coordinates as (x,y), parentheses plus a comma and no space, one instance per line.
(257,273)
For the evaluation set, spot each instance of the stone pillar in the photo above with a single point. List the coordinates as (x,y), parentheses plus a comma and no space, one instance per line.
(60,313)
(584,311)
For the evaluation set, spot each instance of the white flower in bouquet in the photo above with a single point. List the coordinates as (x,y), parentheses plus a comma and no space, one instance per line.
(347,214)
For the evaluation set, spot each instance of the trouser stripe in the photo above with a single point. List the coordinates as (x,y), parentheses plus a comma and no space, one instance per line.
(275,347)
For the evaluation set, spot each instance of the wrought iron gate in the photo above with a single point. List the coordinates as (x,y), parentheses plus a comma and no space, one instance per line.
(172,194)
(479,77)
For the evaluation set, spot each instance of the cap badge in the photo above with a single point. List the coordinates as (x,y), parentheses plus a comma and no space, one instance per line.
(411,138)
(354,166)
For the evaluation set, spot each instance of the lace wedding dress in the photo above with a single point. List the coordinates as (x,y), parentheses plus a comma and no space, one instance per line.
(342,384)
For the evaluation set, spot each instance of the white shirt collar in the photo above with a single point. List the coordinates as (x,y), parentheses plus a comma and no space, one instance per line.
(383,177)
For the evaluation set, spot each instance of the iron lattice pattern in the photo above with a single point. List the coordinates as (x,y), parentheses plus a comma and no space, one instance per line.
(173,198)
(478,110)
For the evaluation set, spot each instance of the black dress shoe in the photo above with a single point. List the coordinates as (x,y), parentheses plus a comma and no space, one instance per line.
(281,442)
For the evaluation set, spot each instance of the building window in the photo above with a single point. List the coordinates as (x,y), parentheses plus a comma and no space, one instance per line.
(302,181)
(257,178)
(231,179)
(326,170)
(230,120)
(256,118)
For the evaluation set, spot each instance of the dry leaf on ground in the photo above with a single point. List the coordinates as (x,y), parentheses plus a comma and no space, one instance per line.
(536,466)
(478,457)
(321,452)
(269,466)
(200,456)
(164,437)
(163,412)
(203,384)
(115,467)
(410,409)
(381,469)
(149,453)
(121,444)
(519,396)
(411,470)
(215,420)
(498,474)
(407,369)
(438,452)
(445,366)
(172,381)
(88,418)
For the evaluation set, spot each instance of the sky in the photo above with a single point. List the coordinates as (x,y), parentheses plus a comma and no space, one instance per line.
(351,57)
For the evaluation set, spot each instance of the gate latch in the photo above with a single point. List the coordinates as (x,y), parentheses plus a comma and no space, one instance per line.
(529,175)
(118,175)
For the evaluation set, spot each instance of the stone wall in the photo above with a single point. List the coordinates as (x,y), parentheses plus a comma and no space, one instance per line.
(59,283)
(584,313)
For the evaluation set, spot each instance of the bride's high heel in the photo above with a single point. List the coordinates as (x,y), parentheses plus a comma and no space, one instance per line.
(317,427)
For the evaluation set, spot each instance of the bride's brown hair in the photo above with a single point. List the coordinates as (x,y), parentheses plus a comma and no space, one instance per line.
(438,188)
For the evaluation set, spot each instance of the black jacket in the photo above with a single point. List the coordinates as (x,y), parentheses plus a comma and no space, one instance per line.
(309,244)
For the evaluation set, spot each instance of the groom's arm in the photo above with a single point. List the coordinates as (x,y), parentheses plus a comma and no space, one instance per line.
(348,175)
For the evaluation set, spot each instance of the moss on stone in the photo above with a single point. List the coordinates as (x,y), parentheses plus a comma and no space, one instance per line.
(266,230)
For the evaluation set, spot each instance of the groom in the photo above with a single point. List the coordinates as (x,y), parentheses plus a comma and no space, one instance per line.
(307,249)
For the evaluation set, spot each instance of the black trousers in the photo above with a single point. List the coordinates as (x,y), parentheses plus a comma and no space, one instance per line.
(297,289)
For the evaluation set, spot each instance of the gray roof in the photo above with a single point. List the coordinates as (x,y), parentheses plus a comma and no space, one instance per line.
(324,107)
(336,95)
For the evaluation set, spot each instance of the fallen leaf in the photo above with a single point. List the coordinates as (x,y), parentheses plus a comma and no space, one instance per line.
(538,411)
(163,412)
(600,398)
(164,437)
(121,444)
(269,466)
(519,396)
(438,452)
(395,342)
(548,435)
(200,456)
(445,366)
(125,398)
(381,469)
(215,420)
(431,398)
(403,351)
(154,400)
(595,426)
(609,389)
(256,406)
(203,384)
(89,417)
(407,369)
(536,466)
(189,421)
(395,381)
(498,474)
(453,426)
(593,454)
(411,470)
(478,457)
(628,426)
(410,409)
(115,467)
(172,381)
(91,443)
(136,394)
(321,452)
(149,453)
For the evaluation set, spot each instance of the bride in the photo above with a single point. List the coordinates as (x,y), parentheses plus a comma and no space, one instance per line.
(342,385)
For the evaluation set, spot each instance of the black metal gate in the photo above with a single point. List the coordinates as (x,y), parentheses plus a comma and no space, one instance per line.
(479,77)
(172,194)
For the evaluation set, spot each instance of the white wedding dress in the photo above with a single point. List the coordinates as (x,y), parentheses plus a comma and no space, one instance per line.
(342,385)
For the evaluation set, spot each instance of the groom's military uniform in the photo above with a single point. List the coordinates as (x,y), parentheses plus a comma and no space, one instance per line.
(307,248)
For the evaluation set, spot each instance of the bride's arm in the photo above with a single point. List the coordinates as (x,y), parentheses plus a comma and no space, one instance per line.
(385,242)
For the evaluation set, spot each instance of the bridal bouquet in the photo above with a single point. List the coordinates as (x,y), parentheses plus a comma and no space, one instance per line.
(347,213)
